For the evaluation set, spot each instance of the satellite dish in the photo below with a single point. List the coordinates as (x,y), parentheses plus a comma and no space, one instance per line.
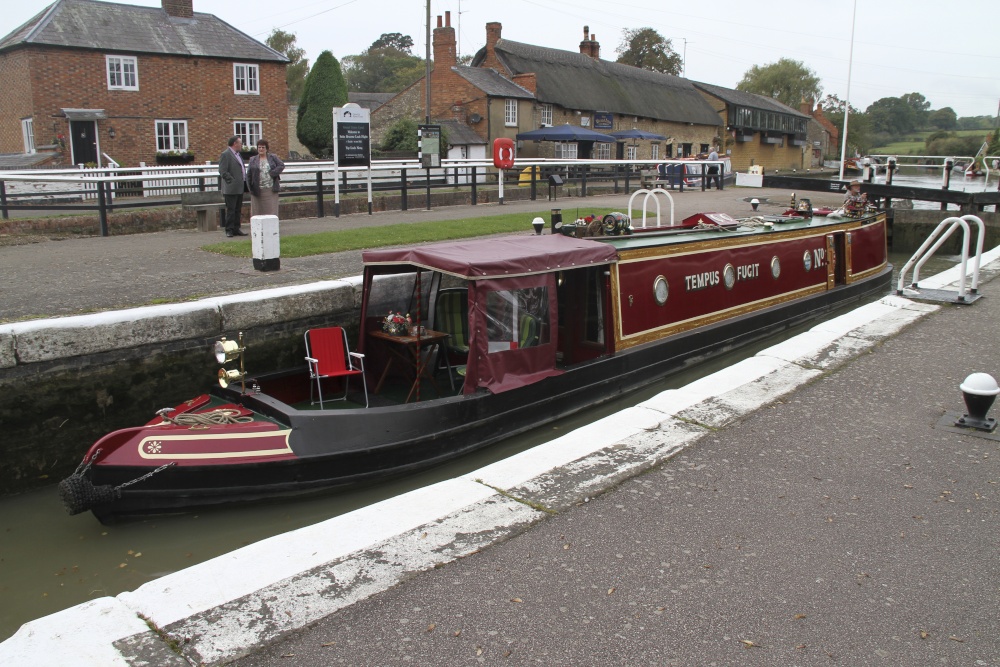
(475,118)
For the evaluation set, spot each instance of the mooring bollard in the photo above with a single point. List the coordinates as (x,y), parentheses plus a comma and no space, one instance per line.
(265,242)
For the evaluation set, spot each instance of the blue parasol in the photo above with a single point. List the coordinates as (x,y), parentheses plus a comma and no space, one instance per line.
(565,133)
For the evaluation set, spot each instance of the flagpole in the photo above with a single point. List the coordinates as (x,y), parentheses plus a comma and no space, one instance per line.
(847,102)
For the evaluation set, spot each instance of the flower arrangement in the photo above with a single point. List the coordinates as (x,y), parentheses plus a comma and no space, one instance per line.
(396,324)
(60,141)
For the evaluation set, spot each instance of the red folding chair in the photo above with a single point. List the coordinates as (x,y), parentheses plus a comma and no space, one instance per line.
(329,357)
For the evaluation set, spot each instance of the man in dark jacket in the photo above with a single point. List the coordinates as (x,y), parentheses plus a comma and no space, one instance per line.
(234,184)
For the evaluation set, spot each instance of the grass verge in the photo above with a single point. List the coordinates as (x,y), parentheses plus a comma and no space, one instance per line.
(364,238)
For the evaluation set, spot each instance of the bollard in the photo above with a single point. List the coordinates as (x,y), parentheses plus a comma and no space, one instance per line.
(265,242)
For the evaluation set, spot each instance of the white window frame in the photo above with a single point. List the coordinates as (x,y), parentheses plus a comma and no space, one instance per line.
(171,135)
(246,79)
(28,133)
(510,113)
(249,132)
(547,114)
(123,72)
(654,152)
(602,151)
(631,152)
(566,150)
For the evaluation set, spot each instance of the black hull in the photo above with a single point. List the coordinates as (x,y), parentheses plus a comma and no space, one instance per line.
(337,449)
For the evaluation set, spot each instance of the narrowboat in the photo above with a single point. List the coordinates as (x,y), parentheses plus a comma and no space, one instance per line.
(462,344)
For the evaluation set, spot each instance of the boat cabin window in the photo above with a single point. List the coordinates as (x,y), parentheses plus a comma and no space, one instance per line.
(517,318)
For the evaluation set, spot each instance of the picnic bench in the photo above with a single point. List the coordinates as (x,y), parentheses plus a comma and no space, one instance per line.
(204,204)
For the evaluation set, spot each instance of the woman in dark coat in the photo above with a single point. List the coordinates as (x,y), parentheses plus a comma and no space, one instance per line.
(263,178)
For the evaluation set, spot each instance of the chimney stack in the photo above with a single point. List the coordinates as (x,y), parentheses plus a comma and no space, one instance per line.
(445,51)
(182,9)
(492,37)
(589,46)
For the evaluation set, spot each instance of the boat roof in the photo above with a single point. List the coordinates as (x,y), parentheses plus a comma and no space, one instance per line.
(498,257)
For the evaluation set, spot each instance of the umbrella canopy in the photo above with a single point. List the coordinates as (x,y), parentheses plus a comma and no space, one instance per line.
(637,134)
(565,133)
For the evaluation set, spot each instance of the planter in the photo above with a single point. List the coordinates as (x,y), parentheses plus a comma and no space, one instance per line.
(174,159)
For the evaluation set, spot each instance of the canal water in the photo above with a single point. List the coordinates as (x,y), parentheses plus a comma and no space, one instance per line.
(50,561)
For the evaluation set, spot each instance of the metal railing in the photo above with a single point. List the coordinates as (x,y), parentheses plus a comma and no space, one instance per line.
(103,190)
(934,241)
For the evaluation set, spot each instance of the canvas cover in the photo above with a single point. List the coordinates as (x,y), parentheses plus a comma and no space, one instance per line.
(496,257)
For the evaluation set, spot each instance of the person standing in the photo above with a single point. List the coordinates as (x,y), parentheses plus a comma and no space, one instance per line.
(263,177)
(713,170)
(234,184)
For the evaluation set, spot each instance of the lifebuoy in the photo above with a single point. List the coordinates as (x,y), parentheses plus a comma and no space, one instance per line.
(503,153)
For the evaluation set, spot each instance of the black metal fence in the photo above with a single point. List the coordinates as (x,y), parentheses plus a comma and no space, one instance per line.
(105,190)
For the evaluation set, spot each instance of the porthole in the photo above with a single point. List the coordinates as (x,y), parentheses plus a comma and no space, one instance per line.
(729,276)
(660,290)
(807,260)
(775,267)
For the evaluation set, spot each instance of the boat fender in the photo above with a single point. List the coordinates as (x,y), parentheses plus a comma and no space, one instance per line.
(78,494)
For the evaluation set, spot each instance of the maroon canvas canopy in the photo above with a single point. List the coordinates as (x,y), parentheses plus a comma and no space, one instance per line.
(503,257)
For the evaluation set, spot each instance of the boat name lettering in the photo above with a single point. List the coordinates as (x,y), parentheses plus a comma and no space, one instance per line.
(747,271)
(701,280)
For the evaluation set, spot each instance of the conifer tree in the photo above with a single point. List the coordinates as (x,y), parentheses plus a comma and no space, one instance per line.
(324,89)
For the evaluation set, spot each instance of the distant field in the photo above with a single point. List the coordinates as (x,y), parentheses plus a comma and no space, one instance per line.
(914,145)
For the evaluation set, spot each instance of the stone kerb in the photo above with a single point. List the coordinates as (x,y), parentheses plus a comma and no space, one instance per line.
(284,304)
(61,338)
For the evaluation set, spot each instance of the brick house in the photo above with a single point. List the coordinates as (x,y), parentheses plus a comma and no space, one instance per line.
(90,80)
(512,87)
(760,130)
(822,134)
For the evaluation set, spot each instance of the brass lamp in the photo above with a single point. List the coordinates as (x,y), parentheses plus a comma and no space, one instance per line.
(227,351)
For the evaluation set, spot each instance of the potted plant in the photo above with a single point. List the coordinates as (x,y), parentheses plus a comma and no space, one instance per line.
(174,157)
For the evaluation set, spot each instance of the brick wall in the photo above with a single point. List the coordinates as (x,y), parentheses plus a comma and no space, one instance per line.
(197,90)
(16,104)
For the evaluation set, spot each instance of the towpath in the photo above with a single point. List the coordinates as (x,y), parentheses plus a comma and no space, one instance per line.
(54,278)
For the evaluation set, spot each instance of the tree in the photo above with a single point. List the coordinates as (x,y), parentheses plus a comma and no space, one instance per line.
(860,138)
(394,40)
(387,66)
(944,119)
(402,137)
(298,67)
(324,89)
(892,116)
(920,106)
(788,81)
(952,144)
(647,49)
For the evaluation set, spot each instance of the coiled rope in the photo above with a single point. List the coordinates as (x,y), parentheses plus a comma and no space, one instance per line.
(219,417)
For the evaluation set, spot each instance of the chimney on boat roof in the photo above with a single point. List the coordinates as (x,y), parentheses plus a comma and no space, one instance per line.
(590,46)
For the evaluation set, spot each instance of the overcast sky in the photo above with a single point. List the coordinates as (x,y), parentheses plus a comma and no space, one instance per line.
(941,49)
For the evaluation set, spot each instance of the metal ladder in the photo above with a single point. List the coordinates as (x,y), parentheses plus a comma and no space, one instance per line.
(934,241)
